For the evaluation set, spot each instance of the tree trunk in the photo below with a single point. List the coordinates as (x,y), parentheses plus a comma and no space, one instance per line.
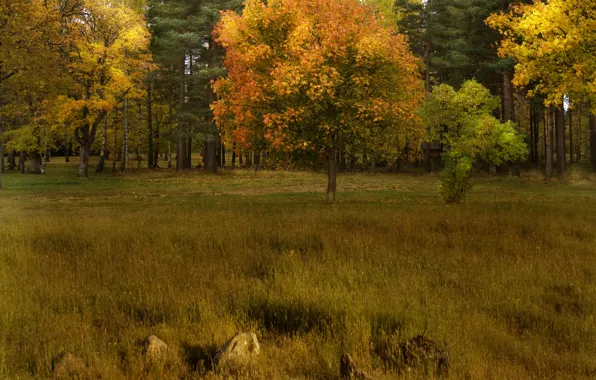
(115,141)
(532,136)
(124,164)
(545,121)
(508,104)
(343,162)
(156,151)
(104,142)
(204,154)
(189,153)
(151,159)
(560,130)
(593,141)
(1,157)
(427,64)
(67,149)
(223,155)
(169,154)
(331,175)
(578,155)
(139,128)
(217,151)
(22,157)
(211,163)
(85,135)
(536,138)
(548,171)
(12,160)
(84,159)
(34,163)
(570,136)
(181,141)
(45,159)
(181,158)
(233,154)
(427,159)
(257,161)
(240,158)
(508,113)
(1,152)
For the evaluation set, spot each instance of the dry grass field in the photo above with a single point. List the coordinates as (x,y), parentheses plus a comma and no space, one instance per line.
(506,281)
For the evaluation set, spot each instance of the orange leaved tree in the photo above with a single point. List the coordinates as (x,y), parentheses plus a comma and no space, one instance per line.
(303,74)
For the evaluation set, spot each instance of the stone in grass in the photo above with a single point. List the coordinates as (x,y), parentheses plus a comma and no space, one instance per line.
(68,366)
(422,353)
(240,349)
(348,369)
(154,349)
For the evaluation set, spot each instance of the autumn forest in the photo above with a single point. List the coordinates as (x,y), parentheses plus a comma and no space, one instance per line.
(354,189)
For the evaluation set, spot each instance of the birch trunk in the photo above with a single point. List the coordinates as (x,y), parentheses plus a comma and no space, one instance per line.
(560,130)
(115,141)
(124,165)
(104,142)
(571,137)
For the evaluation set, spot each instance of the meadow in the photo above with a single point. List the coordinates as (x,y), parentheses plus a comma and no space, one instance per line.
(505,281)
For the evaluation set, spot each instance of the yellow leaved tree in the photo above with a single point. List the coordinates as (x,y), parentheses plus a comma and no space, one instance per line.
(106,58)
(553,44)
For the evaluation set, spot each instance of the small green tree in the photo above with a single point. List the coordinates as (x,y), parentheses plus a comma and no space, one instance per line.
(463,121)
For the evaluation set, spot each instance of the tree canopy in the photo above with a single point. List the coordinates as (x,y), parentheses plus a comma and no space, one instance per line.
(553,46)
(309,74)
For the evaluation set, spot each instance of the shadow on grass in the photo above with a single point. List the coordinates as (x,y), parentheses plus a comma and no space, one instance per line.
(199,358)
(293,318)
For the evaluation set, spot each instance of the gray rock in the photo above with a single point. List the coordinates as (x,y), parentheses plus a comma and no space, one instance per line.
(242,348)
(68,366)
(154,349)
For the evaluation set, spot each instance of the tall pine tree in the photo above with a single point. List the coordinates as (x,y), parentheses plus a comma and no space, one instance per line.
(183,47)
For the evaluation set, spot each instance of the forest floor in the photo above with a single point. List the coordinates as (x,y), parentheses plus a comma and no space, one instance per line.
(506,281)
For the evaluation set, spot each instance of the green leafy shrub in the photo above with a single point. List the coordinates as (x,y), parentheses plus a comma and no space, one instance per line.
(464,123)
(455,180)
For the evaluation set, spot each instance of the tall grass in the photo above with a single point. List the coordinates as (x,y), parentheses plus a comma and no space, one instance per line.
(505,282)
